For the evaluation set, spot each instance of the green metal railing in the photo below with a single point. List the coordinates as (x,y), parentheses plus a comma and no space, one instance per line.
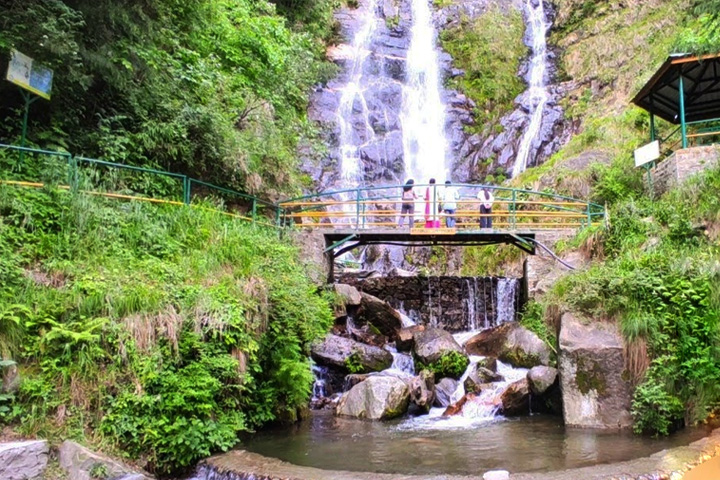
(36,168)
(377,207)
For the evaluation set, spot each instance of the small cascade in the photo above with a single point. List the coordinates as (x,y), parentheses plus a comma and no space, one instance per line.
(506,293)
(486,405)
(537,95)
(460,390)
(403,362)
(471,303)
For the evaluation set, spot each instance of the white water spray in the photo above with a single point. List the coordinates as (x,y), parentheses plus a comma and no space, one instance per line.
(353,100)
(537,95)
(423,112)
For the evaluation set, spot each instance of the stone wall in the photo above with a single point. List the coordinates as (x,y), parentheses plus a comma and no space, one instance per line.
(455,304)
(681,165)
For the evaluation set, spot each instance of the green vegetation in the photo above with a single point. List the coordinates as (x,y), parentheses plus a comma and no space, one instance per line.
(214,89)
(452,364)
(489,48)
(158,332)
(661,283)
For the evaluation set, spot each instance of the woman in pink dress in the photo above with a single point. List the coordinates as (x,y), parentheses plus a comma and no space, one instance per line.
(431,210)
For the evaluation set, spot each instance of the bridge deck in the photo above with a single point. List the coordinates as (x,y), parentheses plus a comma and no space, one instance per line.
(347,239)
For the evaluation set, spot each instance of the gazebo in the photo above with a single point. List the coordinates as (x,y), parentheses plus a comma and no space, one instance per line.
(685,91)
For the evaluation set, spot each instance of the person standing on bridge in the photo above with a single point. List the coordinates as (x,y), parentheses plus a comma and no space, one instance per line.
(431,206)
(486,201)
(408,203)
(449,204)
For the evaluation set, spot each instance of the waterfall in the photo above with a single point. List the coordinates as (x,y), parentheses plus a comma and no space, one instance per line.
(537,95)
(318,388)
(505,304)
(353,102)
(423,113)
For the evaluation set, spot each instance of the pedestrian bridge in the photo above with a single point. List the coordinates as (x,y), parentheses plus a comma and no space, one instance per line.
(365,216)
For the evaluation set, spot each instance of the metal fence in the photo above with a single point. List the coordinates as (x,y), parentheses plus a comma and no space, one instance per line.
(32,167)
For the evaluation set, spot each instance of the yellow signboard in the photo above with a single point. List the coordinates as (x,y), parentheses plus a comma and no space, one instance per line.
(25,73)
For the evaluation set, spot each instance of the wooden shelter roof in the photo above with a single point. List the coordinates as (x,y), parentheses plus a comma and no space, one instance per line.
(701,84)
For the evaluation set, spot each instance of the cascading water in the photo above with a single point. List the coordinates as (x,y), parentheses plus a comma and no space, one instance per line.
(537,96)
(423,113)
(353,103)
(505,305)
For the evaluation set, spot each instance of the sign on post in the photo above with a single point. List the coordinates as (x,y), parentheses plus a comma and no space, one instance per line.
(27,74)
(648,153)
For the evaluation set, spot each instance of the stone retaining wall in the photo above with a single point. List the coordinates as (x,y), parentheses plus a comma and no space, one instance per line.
(681,165)
(455,304)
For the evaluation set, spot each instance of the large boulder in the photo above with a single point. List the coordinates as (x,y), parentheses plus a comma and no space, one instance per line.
(81,463)
(405,341)
(541,378)
(516,399)
(444,390)
(511,343)
(379,314)
(377,398)
(592,374)
(348,354)
(347,295)
(23,460)
(432,344)
(422,391)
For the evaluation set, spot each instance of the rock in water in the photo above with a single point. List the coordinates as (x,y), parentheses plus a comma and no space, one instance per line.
(511,343)
(380,315)
(592,365)
(348,296)
(405,341)
(432,343)
(541,378)
(23,460)
(457,407)
(422,390)
(444,391)
(377,398)
(516,399)
(479,377)
(342,352)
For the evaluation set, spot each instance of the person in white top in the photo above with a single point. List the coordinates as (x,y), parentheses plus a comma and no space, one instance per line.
(486,201)
(449,204)
(408,203)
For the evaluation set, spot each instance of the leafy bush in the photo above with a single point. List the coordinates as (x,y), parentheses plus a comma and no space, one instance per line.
(164,330)
(452,365)
(654,409)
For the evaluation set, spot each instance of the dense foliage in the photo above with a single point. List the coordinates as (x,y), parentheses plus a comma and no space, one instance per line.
(489,49)
(661,282)
(162,331)
(216,89)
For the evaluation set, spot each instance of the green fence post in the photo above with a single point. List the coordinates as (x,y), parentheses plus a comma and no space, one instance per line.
(277,216)
(254,209)
(589,215)
(186,190)
(513,208)
(72,173)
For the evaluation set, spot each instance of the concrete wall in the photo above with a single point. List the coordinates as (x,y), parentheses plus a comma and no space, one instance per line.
(682,165)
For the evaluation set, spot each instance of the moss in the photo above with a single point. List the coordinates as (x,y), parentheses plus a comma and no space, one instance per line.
(589,376)
(520,359)
(452,364)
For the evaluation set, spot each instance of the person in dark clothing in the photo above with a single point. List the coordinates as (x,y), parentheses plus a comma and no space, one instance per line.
(486,201)
(408,203)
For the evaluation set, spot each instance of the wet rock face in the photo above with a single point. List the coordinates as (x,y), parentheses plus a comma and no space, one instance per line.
(433,343)
(377,398)
(379,314)
(516,399)
(592,371)
(510,343)
(422,391)
(444,390)
(341,352)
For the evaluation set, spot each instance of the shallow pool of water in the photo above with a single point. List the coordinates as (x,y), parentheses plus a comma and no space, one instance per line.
(434,446)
